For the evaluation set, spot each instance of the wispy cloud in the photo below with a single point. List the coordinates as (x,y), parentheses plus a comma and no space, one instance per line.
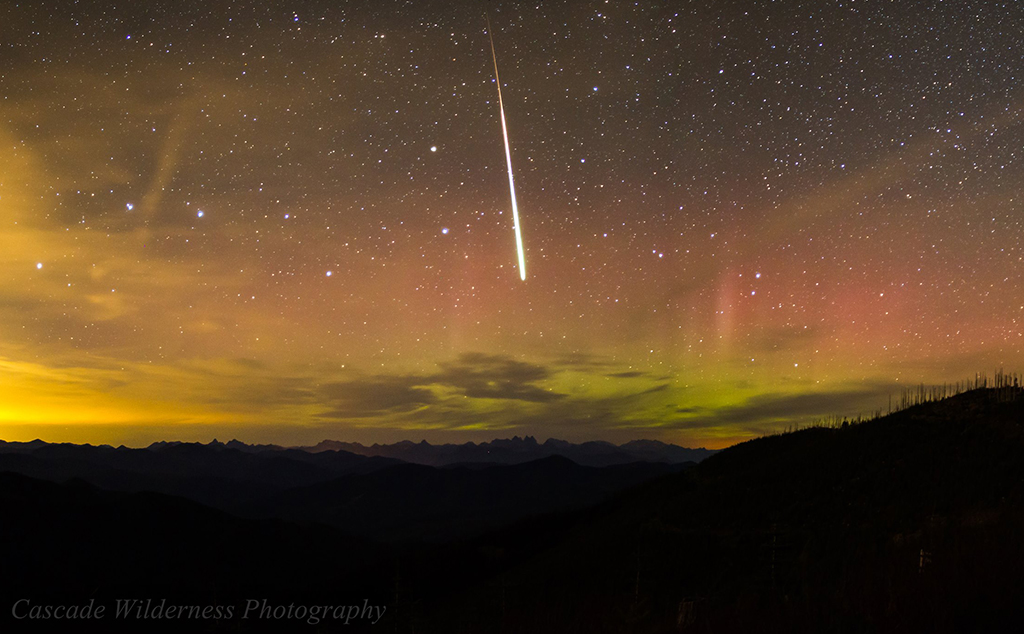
(478,375)
(773,407)
(368,396)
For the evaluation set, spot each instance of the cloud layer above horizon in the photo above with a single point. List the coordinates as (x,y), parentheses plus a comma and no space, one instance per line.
(234,219)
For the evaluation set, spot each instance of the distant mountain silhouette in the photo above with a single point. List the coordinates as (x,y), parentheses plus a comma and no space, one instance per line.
(908,523)
(372,496)
(516,450)
(213,474)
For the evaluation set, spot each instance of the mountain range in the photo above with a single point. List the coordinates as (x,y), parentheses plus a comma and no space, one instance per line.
(367,495)
(910,522)
(517,450)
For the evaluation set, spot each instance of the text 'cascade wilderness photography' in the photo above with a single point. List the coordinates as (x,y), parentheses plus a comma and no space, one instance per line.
(271,361)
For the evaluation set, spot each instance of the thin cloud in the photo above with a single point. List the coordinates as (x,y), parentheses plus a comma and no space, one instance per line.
(479,375)
(633,374)
(370,396)
(787,407)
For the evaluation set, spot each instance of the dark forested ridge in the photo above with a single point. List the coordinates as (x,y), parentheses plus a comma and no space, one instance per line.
(908,523)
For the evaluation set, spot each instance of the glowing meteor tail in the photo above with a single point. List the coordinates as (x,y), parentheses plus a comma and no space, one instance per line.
(508,161)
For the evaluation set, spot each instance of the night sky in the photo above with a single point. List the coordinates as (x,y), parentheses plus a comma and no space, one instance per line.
(283,222)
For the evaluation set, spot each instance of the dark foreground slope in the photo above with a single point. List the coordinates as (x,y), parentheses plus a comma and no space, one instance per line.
(910,523)
(71,544)
(418,503)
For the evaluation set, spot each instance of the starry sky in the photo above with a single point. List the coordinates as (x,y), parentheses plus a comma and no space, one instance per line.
(283,222)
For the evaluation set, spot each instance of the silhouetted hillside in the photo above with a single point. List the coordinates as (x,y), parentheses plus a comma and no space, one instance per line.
(69,543)
(909,523)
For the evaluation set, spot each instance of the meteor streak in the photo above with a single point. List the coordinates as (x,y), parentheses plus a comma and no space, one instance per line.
(508,161)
